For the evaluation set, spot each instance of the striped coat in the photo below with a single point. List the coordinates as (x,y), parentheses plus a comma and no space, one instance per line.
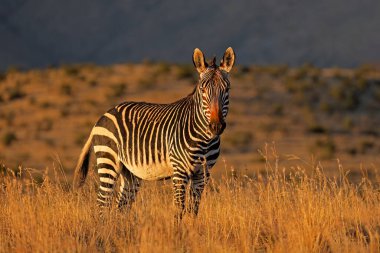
(145,141)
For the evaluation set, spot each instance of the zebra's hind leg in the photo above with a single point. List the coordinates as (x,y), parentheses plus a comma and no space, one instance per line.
(129,186)
(197,185)
(108,171)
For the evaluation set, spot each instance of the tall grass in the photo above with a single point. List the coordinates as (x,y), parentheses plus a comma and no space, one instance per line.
(282,210)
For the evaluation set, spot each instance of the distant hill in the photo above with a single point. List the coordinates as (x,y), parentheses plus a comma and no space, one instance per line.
(46,115)
(324,33)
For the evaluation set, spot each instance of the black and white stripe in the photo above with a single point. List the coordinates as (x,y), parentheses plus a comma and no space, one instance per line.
(142,141)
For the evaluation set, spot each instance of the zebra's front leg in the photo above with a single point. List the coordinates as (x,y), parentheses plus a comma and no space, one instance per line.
(197,185)
(180,181)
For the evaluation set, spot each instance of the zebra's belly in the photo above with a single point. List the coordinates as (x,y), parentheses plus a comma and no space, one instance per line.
(151,171)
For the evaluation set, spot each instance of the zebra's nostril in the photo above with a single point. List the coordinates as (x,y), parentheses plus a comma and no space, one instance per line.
(217,127)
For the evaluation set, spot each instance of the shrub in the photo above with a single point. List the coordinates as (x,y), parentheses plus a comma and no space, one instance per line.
(46,104)
(71,70)
(147,62)
(3,76)
(326,107)
(303,71)
(277,109)
(366,145)
(64,112)
(93,83)
(240,140)
(10,117)
(364,70)
(32,100)
(80,139)
(15,93)
(325,148)
(346,95)
(277,71)
(348,123)
(45,125)
(185,71)
(146,82)
(162,68)
(245,69)
(317,129)
(9,138)
(118,90)
(13,69)
(50,142)
(240,71)
(66,89)
(352,151)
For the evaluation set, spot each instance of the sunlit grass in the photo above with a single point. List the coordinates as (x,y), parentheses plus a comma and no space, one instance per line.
(281,210)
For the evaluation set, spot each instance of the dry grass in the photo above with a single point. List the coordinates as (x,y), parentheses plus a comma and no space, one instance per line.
(268,203)
(280,210)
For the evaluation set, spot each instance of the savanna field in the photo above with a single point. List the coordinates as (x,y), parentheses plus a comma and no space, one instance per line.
(298,171)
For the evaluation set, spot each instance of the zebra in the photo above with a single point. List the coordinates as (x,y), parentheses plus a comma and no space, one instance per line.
(137,141)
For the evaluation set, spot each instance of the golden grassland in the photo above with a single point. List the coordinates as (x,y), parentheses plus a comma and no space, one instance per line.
(276,199)
(281,210)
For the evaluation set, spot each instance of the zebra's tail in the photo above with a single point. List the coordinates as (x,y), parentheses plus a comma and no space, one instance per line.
(81,169)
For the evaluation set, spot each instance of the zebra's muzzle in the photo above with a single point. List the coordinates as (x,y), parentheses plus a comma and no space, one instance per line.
(217,128)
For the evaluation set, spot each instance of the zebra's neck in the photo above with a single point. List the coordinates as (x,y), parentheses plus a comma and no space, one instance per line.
(198,120)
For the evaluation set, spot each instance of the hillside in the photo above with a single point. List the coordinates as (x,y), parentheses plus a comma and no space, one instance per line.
(307,114)
(324,33)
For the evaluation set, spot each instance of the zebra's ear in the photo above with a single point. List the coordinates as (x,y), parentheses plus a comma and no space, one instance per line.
(228,60)
(199,60)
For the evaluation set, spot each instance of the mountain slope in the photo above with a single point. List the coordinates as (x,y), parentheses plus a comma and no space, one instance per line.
(325,33)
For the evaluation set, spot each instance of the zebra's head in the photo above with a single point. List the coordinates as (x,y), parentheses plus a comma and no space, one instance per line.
(213,86)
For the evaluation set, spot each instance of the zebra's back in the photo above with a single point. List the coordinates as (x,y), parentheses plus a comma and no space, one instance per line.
(138,135)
